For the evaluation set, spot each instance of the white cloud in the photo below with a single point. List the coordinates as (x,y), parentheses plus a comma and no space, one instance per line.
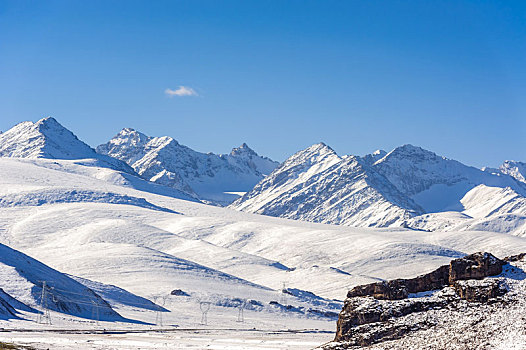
(181,91)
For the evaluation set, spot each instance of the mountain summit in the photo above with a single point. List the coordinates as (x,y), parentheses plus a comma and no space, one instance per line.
(47,138)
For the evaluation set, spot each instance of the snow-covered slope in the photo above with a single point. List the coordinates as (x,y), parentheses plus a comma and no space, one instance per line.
(484,201)
(23,279)
(380,189)
(206,249)
(211,177)
(434,182)
(297,169)
(486,208)
(46,138)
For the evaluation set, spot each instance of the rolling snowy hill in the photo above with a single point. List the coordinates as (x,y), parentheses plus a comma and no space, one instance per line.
(210,177)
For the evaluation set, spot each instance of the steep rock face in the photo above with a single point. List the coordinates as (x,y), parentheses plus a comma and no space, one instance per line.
(47,138)
(386,311)
(480,291)
(317,185)
(208,176)
(473,266)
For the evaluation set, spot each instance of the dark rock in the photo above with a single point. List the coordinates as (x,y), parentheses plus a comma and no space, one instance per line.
(400,288)
(474,266)
(369,310)
(480,291)
(179,293)
(518,257)
(360,311)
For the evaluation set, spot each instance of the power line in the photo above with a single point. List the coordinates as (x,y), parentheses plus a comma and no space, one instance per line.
(45,316)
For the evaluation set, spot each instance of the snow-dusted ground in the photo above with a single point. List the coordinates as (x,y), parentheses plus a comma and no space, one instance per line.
(98,224)
(178,339)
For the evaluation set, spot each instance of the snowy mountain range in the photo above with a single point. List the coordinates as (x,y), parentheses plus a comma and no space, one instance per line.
(409,187)
(216,179)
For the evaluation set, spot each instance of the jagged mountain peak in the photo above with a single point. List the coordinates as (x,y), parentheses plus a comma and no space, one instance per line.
(214,178)
(411,153)
(374,157)
(316,153)
(317,185)
(377,189)
(131,133)
(48,122)
(244,149)
(515,169)
(320,147)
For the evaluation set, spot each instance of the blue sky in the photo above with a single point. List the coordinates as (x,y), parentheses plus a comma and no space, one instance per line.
(449,76)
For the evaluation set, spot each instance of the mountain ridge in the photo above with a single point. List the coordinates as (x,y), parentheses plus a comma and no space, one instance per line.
(207,176)
(409,182)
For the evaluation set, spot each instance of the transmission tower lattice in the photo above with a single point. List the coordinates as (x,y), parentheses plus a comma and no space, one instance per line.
(205,307)
(241,308)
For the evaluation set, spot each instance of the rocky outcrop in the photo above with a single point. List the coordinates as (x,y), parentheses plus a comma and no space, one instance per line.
(474,266)
(371,311)
(400,288)
(480,291)
(514,258)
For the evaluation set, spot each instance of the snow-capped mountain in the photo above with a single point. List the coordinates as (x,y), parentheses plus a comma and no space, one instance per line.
(317,185)
(213,178)
(47,138)
(380,189)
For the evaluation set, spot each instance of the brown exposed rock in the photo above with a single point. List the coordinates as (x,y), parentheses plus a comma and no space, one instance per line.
(375,305)
(480,291)
(518,257)
(474,266)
